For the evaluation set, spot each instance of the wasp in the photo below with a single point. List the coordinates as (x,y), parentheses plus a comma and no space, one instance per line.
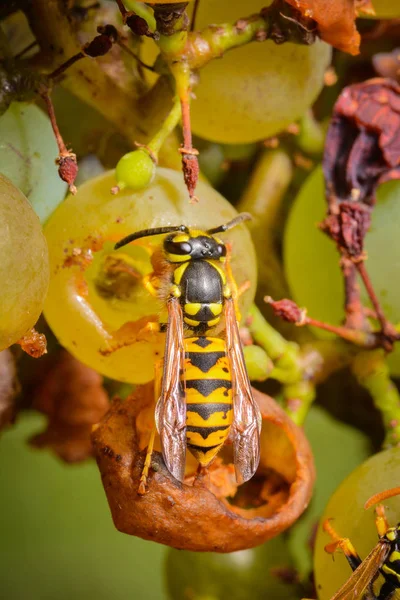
(205,394)
(383,559)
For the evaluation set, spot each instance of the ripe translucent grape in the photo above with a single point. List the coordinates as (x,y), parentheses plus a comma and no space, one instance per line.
(312,261)
(350,519)
(27,154)
(255,91)
(24,266)
(95,290)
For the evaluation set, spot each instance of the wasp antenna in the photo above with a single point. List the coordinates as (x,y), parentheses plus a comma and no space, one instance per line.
(382,496)
(236,221)
(149,232)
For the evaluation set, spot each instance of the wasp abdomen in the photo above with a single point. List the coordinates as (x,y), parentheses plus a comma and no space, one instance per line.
(209,411)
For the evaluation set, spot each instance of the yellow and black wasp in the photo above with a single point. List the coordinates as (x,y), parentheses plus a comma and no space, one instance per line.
(205,390)
(383,559)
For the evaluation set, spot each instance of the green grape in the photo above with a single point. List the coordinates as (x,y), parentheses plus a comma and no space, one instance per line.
(24,265)
(386,9)
(245,574)
(135,170)
(254,92)
(89,299)
(350,519)
(312,261)
(27,154)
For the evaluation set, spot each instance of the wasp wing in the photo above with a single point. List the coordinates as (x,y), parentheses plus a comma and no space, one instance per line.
(356,585)
(171,407)
(246,414)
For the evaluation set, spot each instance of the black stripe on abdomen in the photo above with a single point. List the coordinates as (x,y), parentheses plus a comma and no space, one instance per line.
(206,431)
(205,387)
(202,449)
(204,360)
(207,409)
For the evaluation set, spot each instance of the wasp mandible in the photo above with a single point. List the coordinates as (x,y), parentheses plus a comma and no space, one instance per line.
(205,389)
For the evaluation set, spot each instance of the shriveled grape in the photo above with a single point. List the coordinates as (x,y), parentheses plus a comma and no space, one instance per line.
(312,261)
(24,266)
(95,290)
(255,91)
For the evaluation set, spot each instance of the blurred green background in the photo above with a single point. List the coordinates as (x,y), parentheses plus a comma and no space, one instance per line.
(57,539)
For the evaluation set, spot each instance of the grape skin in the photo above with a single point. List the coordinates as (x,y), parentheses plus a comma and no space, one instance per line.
(83,323)
(24,267)
(345,508)
(386,9)
(27,158)
(255,91)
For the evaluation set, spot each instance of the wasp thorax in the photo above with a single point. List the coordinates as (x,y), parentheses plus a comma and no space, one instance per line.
(185,247)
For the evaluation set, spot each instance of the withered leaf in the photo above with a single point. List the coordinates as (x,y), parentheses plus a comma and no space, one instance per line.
(206,515)
(9,388)
(335,19)
(72,396)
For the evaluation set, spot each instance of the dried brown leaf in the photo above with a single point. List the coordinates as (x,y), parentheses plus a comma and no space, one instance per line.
(9,388)
(336,21)
(73,398)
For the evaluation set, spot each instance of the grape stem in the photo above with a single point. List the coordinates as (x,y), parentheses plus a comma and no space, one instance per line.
(298,369)
(389,333)
(372,372)
(49,22)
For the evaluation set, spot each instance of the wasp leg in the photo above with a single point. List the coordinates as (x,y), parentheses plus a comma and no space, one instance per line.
(344,544)
(147,462)
(149,285)
(380,520)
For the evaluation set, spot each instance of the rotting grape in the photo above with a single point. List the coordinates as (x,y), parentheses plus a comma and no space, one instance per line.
(24,265)
(95,290)
(27,154)
(255,573)
(255,91)
(350,519)
(312,260)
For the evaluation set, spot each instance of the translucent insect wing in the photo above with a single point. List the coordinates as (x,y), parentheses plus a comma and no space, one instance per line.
(170,413)
(246,414)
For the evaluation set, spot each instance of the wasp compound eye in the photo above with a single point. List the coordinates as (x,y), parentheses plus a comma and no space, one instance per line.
(180,248)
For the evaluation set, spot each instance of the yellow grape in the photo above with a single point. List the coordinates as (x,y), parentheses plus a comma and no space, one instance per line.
(312,261)
(386,9)
(24,264)
(255,91)
(86,303)
(350,519)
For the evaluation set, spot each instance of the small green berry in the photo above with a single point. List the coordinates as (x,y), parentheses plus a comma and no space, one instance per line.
(135,170)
